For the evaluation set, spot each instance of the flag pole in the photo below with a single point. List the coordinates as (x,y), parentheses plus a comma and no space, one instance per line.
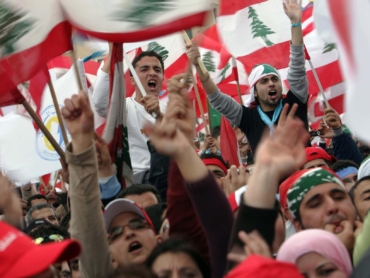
(199,60)
(57,110)
(308,58)
(209,115)
(74,62)
(137,80)
(199,101)
(43,128)
(233,61)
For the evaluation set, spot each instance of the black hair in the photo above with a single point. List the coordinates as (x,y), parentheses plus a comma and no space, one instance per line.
(39,206)
(45,231)
(65,221)
(178,245)
(352,190)
(342,164)
(155,213)
(35,197)
(364,150)
(216,131)
(147,54)
(138,189)
(213,155)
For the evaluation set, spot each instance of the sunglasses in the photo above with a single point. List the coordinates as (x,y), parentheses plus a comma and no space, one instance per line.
(135,224)
(50,238)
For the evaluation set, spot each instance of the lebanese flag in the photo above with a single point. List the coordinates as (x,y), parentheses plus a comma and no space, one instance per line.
(229,144)
(336,98)
(115,132)
(258,31)
(133,21)
(33,33)
(350,23)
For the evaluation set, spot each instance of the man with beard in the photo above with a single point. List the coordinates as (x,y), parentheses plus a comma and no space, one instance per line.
(265,87)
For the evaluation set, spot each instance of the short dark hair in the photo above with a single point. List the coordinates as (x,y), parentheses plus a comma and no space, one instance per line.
(352,190)
(36,207)
(35,197)
(342,164)
(45,231)
(138,189)
(178,245)
(213,155)
(150,53)
(155,213)
(216,131)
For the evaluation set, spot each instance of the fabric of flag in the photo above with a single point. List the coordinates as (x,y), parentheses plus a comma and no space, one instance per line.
(350,21)
(229,144)
(32,33)
(258,31)
(115,132)
(22,158)
(132,21)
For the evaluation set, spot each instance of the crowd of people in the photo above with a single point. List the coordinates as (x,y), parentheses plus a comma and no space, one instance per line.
(291,209)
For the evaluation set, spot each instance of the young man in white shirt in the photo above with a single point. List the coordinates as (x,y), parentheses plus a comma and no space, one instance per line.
(150,70)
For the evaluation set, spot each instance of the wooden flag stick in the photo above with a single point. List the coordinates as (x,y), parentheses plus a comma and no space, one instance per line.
(326,103)
(44,130)
(308,58)
(57,110)
(199,102)
(233,61)
(200,62)
(74,62)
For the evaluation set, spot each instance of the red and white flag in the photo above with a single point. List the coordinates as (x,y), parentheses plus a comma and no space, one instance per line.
(258,31)
(32,33)
(115,131)
(350,24)
(133,21)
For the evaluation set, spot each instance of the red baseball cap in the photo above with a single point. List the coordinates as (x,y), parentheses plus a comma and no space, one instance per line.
(20,257)
(258,266)
(316,153)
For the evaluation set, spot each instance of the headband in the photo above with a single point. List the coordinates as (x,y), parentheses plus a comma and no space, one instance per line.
(215,161)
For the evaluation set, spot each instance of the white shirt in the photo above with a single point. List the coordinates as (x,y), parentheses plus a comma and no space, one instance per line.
(136,119)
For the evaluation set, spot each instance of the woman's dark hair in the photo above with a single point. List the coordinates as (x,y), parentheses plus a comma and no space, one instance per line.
(179,245)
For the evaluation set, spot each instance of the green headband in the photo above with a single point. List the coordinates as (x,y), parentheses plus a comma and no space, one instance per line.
(304,183)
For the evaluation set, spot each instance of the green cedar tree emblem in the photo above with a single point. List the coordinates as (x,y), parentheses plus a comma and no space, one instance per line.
(259,29)
(13,26)
(328,47)
(208,61)
(142,12)
(223,72)
(154,46)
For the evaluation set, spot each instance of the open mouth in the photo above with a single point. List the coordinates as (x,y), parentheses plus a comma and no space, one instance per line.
(272,94)
(152,84)
(134,246)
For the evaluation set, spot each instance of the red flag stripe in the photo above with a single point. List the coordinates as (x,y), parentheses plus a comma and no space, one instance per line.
(20,67)
(231,7)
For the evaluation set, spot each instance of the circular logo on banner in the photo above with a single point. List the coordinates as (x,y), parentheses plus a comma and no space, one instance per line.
(43,147)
